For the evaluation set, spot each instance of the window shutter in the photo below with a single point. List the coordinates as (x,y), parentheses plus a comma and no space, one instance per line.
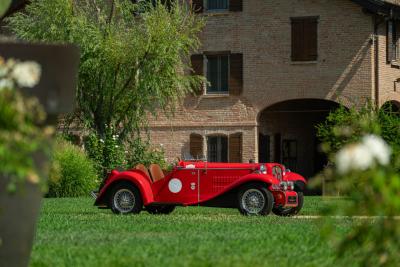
(297,32)
(196,146)
(197,6)
(305,39)
(236,74)
(389,41)
(197,66)
(236,5)
(235,148)
(311,39)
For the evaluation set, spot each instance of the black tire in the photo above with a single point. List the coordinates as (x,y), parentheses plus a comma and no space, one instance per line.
(132,200)
(255,199)
(290,211)
(165,209)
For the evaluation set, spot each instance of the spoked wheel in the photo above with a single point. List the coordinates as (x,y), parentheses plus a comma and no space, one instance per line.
(290,211)
(125,199)
(255,199)
(160,209)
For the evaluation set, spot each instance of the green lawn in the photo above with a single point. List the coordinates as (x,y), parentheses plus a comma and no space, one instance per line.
(72,232)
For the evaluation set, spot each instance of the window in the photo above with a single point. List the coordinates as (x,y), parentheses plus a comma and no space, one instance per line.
(304,39)
(289,149)
(393,34)
(217,4)
(196,146)
(217,148)
(217,73)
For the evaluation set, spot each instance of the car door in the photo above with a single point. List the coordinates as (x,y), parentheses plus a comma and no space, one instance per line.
(181,186)
(214,180)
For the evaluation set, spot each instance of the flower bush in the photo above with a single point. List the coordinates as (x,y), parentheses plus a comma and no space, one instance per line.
(364,168)
(22,140)
(72,173)
(110,153)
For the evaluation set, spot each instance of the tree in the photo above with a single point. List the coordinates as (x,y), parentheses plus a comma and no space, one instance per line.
(134,58)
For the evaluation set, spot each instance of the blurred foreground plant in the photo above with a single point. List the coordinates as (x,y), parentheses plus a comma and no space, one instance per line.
(364,169)
(21,136)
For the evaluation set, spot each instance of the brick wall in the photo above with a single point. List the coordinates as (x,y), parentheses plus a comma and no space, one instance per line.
(389,88)
(262,33)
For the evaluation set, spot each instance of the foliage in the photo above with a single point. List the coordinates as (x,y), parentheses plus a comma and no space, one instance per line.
(110,153)
(344,126)
(134,59)
(364,169)
(22,141)
(72,173)
(190,236)
(4,4)
(143,152)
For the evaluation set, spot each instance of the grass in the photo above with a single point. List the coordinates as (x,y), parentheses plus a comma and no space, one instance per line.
(72,232)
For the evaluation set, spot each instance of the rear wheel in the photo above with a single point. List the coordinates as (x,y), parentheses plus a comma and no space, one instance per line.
(165,209)
(125,198)
(255,199)
(290,211)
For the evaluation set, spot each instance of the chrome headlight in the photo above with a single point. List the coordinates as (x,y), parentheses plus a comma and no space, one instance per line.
(283,186)
(290,185)
(263,169)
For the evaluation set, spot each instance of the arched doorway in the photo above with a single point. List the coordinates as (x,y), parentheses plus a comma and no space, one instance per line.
(287,134)
(391,106)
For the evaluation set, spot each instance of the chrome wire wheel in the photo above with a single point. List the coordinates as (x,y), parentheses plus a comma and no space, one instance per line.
(253,201)
(124,200)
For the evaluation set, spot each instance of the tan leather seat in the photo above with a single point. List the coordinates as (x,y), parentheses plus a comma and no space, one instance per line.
(142,168)
(156,172)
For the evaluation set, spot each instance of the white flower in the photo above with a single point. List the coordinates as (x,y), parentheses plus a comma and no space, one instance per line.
(27,74)
(378,147)
(101,141)
(363,155)
(6,84)
(353,157)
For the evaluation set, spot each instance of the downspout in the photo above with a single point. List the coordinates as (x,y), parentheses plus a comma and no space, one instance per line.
(377,22)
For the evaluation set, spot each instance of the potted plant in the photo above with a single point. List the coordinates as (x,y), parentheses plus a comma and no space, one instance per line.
(23,149)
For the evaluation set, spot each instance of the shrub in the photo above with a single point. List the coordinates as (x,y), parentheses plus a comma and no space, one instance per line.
(142,152)
(363,148)
(72,173)
(109,153)
(344,126)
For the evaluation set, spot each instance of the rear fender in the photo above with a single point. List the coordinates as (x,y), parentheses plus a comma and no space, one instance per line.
(134,177)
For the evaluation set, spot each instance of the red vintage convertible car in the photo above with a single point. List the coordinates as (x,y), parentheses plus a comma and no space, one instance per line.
(253,188)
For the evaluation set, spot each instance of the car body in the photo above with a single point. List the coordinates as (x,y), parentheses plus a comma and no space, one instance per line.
(189,183)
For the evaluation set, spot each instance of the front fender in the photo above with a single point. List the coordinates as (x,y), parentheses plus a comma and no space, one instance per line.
(134,177)
(299,181)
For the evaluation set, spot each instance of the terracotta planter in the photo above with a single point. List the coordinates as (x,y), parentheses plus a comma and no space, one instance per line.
(18,214)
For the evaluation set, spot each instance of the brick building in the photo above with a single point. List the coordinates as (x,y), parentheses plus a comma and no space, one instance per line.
(276,68)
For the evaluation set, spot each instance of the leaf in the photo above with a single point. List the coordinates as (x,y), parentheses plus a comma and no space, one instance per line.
(4,5)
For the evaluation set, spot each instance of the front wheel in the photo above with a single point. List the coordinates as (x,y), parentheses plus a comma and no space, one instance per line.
(255,199)
(160,209)
(290,211)
(125,198)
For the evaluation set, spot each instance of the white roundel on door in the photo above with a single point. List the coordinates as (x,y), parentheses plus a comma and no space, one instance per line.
(175,185)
